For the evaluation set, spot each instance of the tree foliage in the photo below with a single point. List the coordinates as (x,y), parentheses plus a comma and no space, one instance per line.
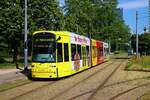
(98,18)
(11,20)
(95,17)
(144,43)
(44,15)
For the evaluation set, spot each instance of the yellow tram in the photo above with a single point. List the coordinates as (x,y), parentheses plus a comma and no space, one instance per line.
(58,54)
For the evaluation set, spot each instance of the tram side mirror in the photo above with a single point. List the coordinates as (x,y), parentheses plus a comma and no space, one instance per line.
(58,38)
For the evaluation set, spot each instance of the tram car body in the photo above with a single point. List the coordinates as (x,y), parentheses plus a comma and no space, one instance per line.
(58,54)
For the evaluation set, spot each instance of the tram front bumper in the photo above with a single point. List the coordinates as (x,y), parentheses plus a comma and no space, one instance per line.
(43,75)
(37,73)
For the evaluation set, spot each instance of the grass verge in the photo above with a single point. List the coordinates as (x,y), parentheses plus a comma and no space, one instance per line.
(120,55)
(10,65)
(143,63)
(13,84)
(146,96)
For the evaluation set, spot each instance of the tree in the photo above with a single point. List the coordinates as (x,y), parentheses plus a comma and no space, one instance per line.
(99,18)
(41,15)
(44,15)
(11,25)
(144,43)
(96,17)
(79,16)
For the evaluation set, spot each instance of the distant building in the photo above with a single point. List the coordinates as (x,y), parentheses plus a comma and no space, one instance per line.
(120,13)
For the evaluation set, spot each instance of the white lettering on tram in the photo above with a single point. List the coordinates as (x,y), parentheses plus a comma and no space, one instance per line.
(79,39)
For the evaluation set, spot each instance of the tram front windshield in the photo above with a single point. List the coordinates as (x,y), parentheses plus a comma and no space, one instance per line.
(44,48)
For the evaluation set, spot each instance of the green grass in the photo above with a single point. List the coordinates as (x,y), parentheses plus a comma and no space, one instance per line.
(7,63)
(146,96)
(4,52)
(141,63)
(144,61)
(10,65)
(120,54)
(13,84)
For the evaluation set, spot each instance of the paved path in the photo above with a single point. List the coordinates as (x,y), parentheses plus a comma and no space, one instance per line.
(7,75)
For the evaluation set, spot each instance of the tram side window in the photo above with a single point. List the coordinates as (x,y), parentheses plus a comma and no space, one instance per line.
(66,52)
(87,52)
(59,52)
(73,51)
(79,50)
(93,53)
(101,51)
(95,49)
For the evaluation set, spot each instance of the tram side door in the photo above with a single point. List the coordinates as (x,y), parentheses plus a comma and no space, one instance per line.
(63,63)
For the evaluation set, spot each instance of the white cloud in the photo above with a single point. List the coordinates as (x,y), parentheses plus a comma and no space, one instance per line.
(134,4)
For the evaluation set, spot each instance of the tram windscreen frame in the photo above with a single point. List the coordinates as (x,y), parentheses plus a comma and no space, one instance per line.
(44,47)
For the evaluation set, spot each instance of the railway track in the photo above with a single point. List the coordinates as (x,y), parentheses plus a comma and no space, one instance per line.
(23,90)
(129,90)
(126,81)
(116,96)
(94,91)
(42,86)
(89,85)
(86,78)
(119,95)
(101,85)
(13,97)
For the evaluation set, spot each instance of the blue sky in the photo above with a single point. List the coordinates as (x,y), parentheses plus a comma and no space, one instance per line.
(130,7)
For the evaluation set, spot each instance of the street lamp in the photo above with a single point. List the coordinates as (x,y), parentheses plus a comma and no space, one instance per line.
(25,39)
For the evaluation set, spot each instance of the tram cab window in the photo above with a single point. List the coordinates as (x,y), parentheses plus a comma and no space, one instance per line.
(44,48)
(59,52)
(66,52)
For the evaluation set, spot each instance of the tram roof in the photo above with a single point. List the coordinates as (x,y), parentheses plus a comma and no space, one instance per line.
(54,32)
(66,33)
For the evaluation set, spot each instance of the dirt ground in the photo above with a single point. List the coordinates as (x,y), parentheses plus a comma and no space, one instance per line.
(108,81)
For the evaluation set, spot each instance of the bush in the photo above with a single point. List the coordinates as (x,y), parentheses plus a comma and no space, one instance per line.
(116,52)
(2,60)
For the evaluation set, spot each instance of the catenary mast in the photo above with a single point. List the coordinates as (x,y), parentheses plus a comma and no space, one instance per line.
(149,15)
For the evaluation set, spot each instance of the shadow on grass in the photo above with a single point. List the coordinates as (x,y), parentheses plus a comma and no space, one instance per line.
(140,70)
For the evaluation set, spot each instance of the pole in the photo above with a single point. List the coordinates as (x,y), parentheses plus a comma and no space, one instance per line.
(136,34)
(25,39)
(109,47)
(148,15)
